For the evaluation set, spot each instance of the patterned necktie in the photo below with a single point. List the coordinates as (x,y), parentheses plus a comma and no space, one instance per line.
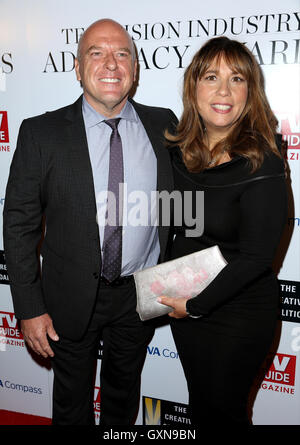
(112,244)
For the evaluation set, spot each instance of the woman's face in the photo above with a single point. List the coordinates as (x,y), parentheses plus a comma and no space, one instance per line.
(221,98)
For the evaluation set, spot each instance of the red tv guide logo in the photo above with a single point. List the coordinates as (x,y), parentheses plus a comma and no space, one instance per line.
(282,370)
(4,138)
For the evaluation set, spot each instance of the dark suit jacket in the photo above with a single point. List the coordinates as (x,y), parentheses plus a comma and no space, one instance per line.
(51,179)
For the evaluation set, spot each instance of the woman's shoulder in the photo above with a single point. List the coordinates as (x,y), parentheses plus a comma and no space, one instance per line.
(237,171)
(273,164)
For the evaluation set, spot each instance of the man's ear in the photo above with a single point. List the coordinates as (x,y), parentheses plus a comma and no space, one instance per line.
(78,77)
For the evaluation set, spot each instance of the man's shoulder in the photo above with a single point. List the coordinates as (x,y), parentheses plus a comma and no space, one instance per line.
(55,116)
(155,117)
(150,109)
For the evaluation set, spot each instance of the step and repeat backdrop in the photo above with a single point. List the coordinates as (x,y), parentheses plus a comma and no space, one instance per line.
(38,43)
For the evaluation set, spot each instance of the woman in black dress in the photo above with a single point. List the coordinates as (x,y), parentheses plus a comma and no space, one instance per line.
(225,145)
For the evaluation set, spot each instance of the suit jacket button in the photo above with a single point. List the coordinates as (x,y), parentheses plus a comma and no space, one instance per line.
(95,275)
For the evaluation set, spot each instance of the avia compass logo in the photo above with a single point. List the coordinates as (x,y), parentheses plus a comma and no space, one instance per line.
(7,384)
(154,351)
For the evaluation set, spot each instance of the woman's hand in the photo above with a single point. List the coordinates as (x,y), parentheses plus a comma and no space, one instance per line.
(178,304)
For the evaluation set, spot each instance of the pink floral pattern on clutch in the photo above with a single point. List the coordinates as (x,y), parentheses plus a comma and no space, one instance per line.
(184,282)
(186,277)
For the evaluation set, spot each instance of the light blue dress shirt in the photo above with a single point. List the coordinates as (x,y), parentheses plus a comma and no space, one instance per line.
(140,242)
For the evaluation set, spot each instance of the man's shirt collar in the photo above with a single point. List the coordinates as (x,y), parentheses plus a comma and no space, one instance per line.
(92,117)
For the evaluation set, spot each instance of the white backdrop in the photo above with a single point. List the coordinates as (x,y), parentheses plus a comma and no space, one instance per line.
(38,42)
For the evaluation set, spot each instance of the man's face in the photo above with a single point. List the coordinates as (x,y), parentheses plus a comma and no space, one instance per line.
(107,67)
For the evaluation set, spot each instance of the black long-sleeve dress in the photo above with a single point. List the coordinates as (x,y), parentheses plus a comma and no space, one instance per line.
(244,214)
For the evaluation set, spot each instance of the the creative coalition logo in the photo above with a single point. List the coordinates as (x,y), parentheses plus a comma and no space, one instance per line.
(100,351)
(4,135)
(290,300)
(10,333)
(164,412)
(280,377)
(3,271)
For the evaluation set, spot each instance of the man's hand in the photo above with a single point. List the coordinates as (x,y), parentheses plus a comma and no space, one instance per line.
(35,331)
(178,304)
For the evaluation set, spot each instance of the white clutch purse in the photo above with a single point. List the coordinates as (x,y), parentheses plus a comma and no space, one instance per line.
(186,276)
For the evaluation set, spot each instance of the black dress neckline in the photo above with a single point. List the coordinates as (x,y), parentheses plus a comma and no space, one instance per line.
(234,172)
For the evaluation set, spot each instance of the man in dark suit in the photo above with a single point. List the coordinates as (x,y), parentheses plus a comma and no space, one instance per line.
(60,169)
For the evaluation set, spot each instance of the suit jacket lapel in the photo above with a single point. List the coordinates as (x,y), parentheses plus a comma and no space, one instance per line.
(155,133)
(79,161)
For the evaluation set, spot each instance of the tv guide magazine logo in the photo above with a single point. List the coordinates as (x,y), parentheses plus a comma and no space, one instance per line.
(280,376)
(4,135)
(10,333)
